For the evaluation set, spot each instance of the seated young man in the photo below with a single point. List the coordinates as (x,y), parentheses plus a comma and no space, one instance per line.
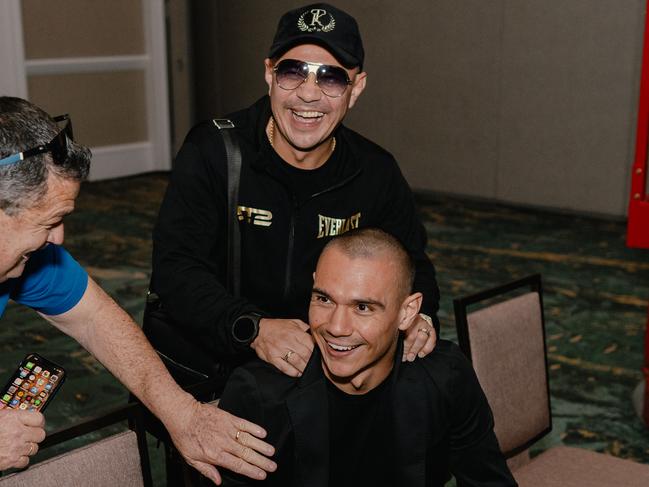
(358,416)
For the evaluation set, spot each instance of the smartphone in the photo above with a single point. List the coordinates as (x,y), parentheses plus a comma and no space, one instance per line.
(33,385)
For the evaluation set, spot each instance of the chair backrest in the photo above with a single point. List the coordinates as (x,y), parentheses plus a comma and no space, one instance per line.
(106,463)
(505,341)
(120,459)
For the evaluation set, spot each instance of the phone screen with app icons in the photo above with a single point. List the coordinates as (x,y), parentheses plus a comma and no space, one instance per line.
(33,385)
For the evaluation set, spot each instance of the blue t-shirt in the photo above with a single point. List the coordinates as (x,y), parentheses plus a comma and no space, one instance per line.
(52,283)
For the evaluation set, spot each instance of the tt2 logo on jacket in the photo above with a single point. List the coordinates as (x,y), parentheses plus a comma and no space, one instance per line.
(263,218)
(330,227)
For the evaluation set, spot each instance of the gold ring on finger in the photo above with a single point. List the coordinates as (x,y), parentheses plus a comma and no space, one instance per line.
(426,318)
(236,437)
(31,450)
(288,355)
(424,330)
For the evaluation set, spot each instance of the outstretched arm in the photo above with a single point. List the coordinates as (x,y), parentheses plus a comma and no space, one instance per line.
(205,435)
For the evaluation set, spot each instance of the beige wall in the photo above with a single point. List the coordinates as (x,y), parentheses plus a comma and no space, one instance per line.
(523,101)
(82,28)
(106,108)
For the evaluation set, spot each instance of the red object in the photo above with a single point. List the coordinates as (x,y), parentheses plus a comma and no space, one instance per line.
(638,224)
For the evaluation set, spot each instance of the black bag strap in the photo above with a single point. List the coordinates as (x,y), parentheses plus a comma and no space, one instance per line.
(233,155)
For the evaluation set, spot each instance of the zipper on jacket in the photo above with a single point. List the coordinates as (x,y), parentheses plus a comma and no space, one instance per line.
(335,186)
(291,234)
(289,256)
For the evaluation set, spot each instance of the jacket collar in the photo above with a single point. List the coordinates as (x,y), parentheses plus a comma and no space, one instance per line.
(410,420)
(309,412)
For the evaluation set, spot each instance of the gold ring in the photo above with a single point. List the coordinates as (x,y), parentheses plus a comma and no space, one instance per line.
(31,450)
(426,318)
(288,355)
(425,330)
(237,435)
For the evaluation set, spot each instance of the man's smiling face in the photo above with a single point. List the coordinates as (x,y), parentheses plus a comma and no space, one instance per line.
(32,228)
(357,309)
(305,117)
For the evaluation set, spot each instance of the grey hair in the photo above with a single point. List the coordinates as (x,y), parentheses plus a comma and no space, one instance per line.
(369,243)
(24,126)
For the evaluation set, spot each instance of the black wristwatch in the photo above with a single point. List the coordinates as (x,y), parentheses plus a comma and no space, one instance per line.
(246,328)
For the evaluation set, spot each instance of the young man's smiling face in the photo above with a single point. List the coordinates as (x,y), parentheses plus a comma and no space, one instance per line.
(305,117)
(32,228)
(357,308)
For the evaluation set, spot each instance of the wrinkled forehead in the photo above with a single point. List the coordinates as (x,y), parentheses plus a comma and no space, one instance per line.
(60,195)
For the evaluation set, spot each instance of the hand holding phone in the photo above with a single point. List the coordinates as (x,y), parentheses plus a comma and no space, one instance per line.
(20,434)
(33,385)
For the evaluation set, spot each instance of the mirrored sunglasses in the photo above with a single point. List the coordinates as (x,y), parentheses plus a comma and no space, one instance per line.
(291,73)
(58,146)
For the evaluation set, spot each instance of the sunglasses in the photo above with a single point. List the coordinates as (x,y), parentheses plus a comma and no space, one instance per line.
(332,80)
(58,146)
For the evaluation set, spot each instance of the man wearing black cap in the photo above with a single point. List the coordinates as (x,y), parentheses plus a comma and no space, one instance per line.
(304,179)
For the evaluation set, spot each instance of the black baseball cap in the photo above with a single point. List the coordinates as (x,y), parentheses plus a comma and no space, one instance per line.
(322,24)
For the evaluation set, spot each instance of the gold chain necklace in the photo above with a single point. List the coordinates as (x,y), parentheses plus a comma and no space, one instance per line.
(271,136)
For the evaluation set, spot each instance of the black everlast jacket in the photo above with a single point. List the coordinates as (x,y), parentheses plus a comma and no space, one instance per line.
(280,238)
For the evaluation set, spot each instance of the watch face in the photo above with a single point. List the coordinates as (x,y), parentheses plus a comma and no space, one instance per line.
(244,329)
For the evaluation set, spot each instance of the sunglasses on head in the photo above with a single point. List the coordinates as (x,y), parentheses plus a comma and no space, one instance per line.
(58,146)
(332,80)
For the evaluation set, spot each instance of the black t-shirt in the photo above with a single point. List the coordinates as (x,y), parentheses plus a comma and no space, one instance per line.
(361,439)
(304,183)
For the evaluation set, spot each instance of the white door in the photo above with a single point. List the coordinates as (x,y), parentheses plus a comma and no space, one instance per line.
(102,62)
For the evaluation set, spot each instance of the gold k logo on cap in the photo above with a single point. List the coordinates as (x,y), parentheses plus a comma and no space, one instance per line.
(310,21)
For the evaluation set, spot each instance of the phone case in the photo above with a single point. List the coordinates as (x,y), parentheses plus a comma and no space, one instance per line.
(33,385)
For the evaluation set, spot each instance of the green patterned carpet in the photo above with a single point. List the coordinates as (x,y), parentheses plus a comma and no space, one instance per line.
(595,299)
(596,293)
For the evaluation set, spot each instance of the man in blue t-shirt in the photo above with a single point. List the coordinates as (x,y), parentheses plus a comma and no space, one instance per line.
(52,282)
(41,168)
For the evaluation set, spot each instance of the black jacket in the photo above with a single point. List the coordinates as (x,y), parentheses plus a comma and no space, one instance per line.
(190,244)
(442,422)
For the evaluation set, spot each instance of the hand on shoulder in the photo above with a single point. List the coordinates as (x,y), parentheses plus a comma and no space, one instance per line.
(285,344)
(207,436)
